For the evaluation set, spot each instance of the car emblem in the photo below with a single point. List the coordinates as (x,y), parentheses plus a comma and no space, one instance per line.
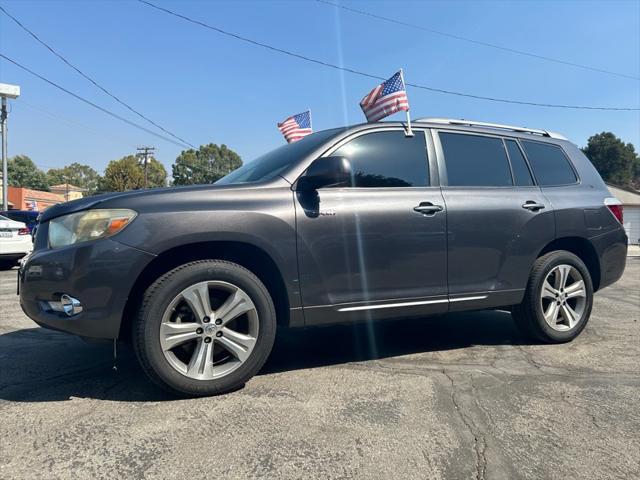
(327,213)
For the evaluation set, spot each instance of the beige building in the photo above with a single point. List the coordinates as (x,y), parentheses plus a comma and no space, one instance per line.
(68,191)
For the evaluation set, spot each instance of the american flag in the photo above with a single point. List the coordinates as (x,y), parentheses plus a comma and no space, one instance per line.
(387,98)
(296,126)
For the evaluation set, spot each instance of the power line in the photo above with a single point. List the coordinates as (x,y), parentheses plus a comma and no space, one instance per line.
(377,77)
(477,42)
(94,82)
(70,122)
(89,102)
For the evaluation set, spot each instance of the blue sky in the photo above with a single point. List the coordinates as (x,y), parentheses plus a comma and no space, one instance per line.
(206,87)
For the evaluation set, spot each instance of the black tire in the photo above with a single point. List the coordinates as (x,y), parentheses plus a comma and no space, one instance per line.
(158,297)
(529,315)
(8,264)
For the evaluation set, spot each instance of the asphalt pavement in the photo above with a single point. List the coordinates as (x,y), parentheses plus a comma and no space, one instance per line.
(458,396)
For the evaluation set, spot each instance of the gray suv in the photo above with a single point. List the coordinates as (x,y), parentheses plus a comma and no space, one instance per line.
(361,223)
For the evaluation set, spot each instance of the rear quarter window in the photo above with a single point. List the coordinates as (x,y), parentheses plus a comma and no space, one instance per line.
(549,163)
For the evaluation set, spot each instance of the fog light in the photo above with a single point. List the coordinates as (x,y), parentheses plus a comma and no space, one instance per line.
(68,305)
(71,306)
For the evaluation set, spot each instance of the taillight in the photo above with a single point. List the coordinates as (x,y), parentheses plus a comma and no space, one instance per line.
(24,231)
(615,207)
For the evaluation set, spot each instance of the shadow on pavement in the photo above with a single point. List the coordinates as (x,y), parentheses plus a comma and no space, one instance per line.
(39,365)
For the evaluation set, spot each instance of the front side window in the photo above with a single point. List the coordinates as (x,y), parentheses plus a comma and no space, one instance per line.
(387,159)
(549,163)
(475,161)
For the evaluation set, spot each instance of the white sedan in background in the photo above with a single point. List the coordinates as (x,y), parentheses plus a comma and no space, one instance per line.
(15,242)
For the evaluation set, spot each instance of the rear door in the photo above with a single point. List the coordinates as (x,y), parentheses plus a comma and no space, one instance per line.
(378,246)
(498,219)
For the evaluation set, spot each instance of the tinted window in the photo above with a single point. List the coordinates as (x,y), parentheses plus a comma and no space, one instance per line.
(549,164)
(271,164)
(475,161)
(521,173)
(387,159)
(17,217)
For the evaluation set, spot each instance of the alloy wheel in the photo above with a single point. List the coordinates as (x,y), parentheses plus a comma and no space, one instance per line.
(563,297)
(209,330)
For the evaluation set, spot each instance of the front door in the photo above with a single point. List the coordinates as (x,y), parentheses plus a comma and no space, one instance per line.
(378,246)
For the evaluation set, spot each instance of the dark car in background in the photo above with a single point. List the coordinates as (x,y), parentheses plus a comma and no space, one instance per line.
(350,224)
(28,217)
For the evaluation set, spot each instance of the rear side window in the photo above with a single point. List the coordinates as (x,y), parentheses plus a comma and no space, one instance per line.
(387,159)
(549,163)
(475,161)
(521,173)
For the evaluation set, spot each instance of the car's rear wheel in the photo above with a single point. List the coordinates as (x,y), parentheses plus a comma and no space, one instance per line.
(558,300)
(8,264)
(204,328)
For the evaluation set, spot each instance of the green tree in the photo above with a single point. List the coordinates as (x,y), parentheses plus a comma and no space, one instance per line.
(122,175)
(206,165)
(76,174)
(128,174)
(614,159)
(635,183)
(24,173)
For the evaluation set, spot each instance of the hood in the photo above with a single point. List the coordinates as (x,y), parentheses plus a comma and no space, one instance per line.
(134,197)
(76,205)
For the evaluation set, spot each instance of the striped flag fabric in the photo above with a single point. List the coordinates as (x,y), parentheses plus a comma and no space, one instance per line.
(296,126)
(387,98)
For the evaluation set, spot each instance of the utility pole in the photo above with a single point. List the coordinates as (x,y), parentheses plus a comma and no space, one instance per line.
(6,91)
(144,153)
(66,181)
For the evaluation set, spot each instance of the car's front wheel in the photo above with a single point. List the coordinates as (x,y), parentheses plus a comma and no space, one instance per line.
(204,328)
(558,300)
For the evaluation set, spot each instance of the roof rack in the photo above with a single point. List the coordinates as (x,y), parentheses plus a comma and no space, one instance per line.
(472,123)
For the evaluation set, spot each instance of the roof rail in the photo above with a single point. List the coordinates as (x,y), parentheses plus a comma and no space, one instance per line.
(472,123)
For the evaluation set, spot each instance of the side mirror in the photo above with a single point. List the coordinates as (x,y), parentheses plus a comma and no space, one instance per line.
(326,172)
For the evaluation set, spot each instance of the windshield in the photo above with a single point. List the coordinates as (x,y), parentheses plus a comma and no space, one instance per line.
(271,164)
(3,218)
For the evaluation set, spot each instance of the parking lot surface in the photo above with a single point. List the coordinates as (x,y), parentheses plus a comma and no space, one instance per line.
(457,396)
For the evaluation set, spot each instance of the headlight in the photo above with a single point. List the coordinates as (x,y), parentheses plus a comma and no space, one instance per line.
(87,225)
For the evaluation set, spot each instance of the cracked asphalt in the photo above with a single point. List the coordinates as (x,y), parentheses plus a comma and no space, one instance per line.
(457,396)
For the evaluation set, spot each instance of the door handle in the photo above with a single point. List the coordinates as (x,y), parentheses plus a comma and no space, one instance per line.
(533,206)
(428,208)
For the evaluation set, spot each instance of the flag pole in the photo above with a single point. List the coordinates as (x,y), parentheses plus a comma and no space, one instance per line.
(408,132)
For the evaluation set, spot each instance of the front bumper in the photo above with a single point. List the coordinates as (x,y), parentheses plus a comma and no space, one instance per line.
(100,274)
